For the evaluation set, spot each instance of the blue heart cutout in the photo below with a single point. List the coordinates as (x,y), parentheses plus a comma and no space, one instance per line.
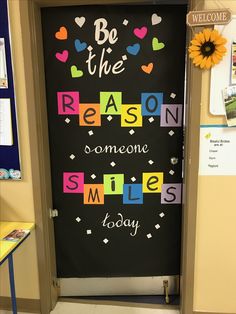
(79,46)
(134,49)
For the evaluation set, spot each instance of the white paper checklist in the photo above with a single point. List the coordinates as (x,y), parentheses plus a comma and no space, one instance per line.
(217,151)
(6,137)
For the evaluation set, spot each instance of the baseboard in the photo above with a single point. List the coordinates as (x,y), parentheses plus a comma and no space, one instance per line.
(23,305)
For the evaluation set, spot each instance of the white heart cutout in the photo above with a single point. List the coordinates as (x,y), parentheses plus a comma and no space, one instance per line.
(80,21)
(156,19)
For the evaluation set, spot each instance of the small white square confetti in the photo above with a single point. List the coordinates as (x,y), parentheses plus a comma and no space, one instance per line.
(93,176)
(133,179)
(90,48)
(171,133)
(72,156)
(109,50)
(131,132)
(161,215)
(151,162)
(89,232)
(67,120)
(105,241)
(157,226)
(90,133)
(124,57)
(113,164)
(149,236)
(109,118)
(173,95)
(171,172)
(125,22)
(151,119)
(78,219)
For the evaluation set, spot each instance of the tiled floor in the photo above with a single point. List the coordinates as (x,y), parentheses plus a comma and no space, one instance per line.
(79,308)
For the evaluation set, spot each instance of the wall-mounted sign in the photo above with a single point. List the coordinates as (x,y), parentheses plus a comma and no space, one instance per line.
(209,17)
(217,150)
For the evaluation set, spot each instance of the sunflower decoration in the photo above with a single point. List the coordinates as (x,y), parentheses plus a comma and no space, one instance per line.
(207,48)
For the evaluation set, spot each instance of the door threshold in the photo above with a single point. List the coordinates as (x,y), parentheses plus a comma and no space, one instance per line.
(118,286)
(146,301)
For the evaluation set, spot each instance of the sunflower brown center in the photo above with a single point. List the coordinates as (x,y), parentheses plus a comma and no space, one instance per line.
(207,49)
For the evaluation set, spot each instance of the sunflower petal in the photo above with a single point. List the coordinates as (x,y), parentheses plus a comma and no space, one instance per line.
(220,41)
(216,59)
(219,54)
(197,60)
(201,37)
(195,42)
(203,63)
(194,48)
(214,35)
(194,54)
(207,33)
(196,37)
(221,49)
(208,63)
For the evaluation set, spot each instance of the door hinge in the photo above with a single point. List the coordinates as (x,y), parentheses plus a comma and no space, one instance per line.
(56,282)
(166,292)
(53,213)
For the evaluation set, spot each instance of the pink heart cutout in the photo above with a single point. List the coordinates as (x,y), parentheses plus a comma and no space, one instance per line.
(62,56)
(140,32)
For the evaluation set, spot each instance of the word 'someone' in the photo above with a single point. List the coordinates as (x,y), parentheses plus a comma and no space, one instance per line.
(114,149)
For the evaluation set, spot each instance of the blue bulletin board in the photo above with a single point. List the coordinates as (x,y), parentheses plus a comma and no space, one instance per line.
(9,146)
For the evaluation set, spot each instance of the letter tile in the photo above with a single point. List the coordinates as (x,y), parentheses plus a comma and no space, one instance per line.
(68,103)
(73,182)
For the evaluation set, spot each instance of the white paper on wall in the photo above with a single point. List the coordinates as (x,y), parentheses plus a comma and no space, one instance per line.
(221,73)
(3,66)
(217,151)
(6,137)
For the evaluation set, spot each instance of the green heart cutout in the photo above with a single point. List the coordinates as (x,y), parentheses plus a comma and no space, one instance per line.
(75,72)
(156,45)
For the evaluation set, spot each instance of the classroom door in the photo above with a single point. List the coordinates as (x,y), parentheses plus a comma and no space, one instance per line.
(115,96)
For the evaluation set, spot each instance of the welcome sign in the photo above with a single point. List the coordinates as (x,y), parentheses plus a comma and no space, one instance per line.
(209,17)
(115,87)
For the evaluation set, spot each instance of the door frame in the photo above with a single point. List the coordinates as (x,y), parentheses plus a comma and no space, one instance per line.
(40,161)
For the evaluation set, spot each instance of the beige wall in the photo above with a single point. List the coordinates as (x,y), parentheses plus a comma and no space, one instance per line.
(16,199)
(215,269)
